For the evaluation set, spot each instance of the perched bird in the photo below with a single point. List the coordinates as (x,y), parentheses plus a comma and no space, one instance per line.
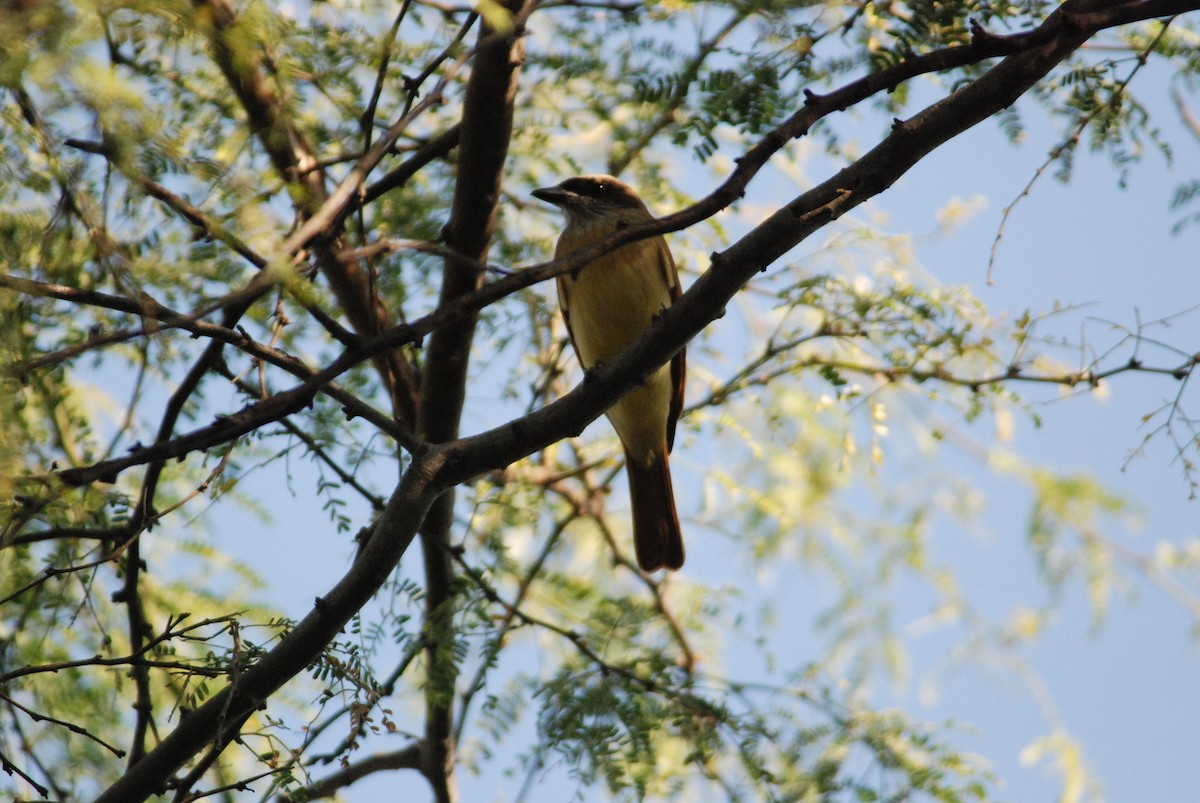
(606,305)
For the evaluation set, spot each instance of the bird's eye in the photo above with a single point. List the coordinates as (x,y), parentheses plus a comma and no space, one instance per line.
(601,188)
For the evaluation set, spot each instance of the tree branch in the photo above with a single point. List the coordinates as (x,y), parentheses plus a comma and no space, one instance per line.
(485,131)
(408,758)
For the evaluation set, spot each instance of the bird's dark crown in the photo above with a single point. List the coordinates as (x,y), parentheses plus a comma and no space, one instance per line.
(605,189)
(587,196)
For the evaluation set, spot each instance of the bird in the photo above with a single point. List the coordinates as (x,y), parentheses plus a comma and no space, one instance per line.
(606,304)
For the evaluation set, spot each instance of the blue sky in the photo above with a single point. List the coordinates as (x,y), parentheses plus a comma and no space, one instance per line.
(1127,690)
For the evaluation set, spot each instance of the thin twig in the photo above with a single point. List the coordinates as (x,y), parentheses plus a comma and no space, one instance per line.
(1069,144)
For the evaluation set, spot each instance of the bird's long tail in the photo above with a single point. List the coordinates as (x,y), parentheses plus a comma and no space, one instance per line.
(656,536)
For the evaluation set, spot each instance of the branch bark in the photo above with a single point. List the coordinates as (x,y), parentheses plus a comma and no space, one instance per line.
(484,135)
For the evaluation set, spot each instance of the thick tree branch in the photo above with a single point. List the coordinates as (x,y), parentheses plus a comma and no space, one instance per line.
(484,135)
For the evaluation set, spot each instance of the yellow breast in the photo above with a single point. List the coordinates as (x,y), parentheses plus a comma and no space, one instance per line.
(614,299)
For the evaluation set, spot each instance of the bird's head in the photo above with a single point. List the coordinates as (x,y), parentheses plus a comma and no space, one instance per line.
(588,200)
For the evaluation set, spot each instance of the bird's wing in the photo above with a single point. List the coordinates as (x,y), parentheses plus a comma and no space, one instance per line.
(564,300)
(679,361)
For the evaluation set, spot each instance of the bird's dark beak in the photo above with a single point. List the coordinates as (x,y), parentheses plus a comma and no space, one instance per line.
(554,195)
